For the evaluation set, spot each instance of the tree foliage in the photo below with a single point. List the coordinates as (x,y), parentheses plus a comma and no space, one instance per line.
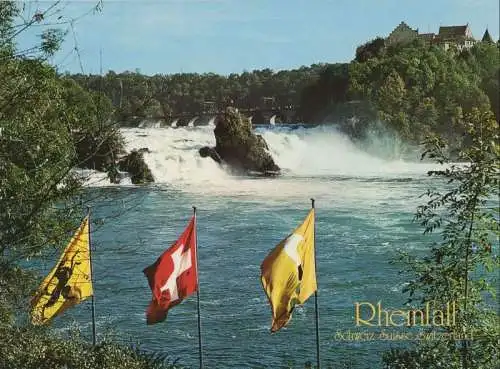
(369,50)
(329,88)
(44,119)
(415,89)
(25,348)
(463,267)
(418,89)
(161,96)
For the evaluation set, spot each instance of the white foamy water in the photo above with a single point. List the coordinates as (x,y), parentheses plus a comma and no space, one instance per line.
(316,162)
(94,178)
(322,151)
(174,157)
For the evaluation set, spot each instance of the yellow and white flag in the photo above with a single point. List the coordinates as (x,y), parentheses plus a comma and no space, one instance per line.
(288,273)
(69,283)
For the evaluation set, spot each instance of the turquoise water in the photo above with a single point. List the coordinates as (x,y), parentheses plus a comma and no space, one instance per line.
(364,208)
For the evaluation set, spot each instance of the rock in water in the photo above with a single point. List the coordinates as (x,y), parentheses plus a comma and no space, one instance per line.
(239,147)
(210,151)
(113,174)
(134,164)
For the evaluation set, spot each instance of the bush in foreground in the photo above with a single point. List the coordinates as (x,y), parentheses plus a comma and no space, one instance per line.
(38,348)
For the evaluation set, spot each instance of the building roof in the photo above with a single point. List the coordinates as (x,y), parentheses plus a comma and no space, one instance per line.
(448,32)
(401,29)
(487,37)
(403,25)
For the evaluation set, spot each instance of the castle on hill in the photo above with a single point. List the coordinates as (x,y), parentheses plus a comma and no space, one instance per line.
(448,36)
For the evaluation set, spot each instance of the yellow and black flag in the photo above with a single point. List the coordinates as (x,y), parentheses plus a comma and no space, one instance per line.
(69,283)
(288,273)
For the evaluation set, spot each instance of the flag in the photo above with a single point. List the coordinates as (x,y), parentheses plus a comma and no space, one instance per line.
(69,283)
(288,273)
(173,277)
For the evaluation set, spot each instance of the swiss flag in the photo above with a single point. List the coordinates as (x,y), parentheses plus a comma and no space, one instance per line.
(173,277)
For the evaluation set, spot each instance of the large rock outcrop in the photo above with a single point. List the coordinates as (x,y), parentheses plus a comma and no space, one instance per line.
(105,152)
(135,165)
(239,147)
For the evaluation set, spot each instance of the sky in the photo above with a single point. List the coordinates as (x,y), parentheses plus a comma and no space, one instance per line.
(231,36)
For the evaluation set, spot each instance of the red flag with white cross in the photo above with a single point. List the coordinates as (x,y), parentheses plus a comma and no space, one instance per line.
(173,277)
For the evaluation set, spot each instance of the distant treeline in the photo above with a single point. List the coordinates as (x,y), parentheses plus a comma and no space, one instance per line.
(164,96)
(414,88)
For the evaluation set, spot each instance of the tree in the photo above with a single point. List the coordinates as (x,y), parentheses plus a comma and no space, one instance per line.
(462,268)
(369,50)
(392,93)
(391,99)
(330,88)
(418,88)
(486,58)
(43,116)
(134,94)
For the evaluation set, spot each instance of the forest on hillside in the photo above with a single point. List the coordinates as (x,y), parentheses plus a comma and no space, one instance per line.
(162,96)
(413,88)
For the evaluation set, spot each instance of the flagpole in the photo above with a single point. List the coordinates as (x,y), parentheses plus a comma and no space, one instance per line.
(318,361)
(198,291)
(91,279)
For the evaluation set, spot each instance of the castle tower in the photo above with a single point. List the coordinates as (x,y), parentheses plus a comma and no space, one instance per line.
(487,37)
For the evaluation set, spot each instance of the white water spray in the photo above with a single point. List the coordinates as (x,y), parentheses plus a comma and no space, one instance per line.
(312,158)
(191,122)
(302,152)
(174,157)
(323,151)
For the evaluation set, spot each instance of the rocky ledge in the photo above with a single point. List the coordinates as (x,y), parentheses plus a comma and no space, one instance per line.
(135,165)
(238,147)
(109,156)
